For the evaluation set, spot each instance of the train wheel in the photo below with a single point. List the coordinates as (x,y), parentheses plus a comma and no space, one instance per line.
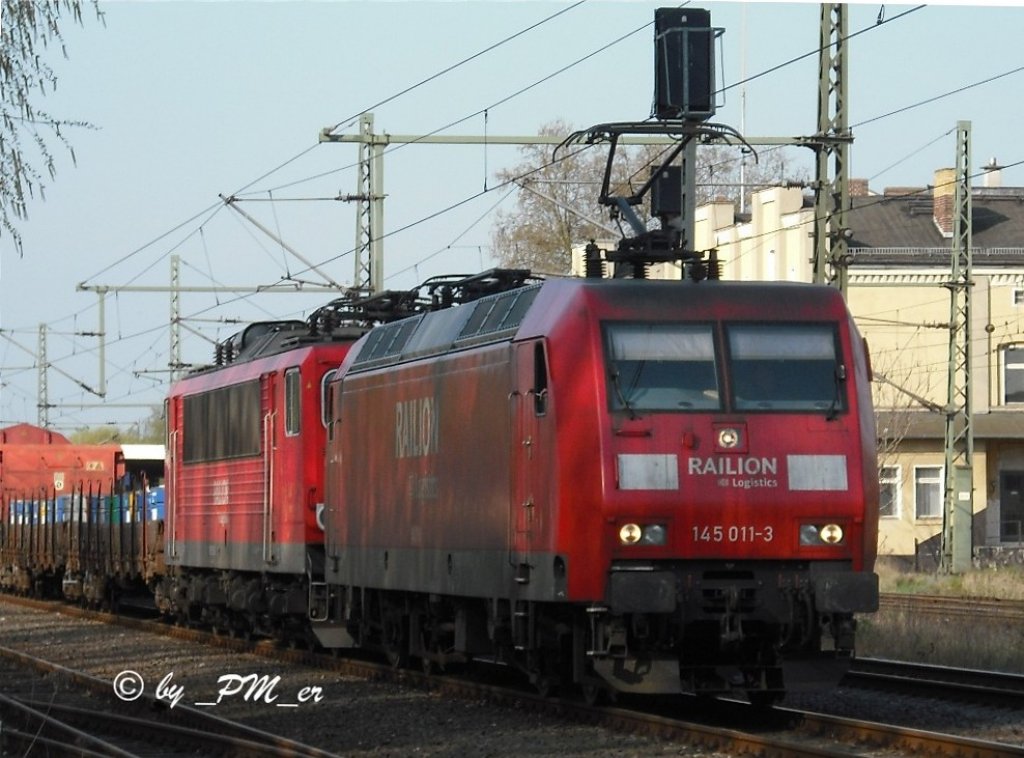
(593,692)
(545,686)
(395,643)
(396,658)
(243,634)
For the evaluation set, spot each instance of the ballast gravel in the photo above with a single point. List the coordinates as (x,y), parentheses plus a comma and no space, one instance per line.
(354,717)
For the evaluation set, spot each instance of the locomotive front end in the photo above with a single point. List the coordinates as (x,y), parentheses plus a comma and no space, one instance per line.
(738,491)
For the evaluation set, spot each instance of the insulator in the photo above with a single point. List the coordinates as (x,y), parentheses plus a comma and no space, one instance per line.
(594,267)
(326,322)
(218,354)
(714,266)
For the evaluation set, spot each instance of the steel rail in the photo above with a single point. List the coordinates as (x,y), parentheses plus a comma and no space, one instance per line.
(914,742)
(990,608)
(993,686)
(196,726)
(38,724)
(812,734)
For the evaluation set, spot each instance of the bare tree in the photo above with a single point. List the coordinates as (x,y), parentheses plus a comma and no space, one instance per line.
(30,28)
(557,203)
(152,430)
(734,173)
(557,197)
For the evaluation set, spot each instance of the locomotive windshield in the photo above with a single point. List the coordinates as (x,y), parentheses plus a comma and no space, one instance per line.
(790,367)
(662,367)
(769,367)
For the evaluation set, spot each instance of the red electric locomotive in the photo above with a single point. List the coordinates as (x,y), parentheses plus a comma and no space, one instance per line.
(629,485)
(245,476)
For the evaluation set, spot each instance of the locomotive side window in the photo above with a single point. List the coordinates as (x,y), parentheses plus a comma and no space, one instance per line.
(662,367)
(325,398)
(540,380)
(789,367)
(222,423)
(292,406)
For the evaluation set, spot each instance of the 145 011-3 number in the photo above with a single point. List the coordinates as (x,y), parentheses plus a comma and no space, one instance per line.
(721,533)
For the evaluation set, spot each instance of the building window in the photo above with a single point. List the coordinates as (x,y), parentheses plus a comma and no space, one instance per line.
(1018,296)
(928,492)
(889,487)
(292,387)
(1013,374)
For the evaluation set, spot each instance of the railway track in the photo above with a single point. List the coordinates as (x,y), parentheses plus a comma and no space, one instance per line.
(996,688)
(80,714)
(778,731)
(955,607)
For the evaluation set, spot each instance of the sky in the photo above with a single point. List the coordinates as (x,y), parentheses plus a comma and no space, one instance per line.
(193,100)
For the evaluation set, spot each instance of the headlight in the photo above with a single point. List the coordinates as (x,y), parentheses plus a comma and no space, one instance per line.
(812,535)
(630,534)
(650,534)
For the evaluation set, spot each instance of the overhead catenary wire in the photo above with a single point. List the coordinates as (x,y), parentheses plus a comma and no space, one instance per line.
(502,101)
(461,63)
(219,206)
(475,196)
(946,94)
(799,58)
(433,215)
(458,237)
(565,68)
(291,160)
(425,218)
(911,154)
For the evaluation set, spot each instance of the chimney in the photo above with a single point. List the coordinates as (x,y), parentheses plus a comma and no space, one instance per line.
(943,196)
(993,174)
(858,188)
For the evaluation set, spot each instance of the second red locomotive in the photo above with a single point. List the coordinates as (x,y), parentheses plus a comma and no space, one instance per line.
(244,478)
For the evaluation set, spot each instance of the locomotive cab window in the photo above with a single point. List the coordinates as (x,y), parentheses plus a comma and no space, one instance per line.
(791,367)
(661,367)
